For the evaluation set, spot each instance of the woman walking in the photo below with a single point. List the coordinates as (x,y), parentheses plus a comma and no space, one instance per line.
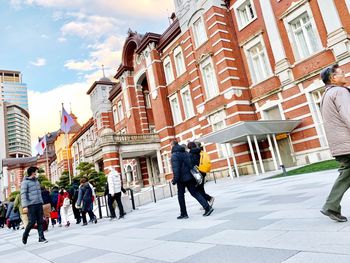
(85,200)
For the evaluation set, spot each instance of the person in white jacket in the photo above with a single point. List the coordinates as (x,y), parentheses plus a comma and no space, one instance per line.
(114,192)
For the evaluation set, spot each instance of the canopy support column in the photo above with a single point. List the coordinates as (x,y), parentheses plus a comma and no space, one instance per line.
(259,154)
(272,152)
(253,155)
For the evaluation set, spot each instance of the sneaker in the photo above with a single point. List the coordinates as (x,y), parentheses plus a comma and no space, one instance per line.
(24,239)
(43,240)
(84,224)
(208,211)
(211,201)
(182,217)
(334,215)
(121,217)
(67,225)
(95,220)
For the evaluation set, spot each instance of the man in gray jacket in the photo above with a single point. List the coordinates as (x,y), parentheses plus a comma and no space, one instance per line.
(335,108)
(32,203)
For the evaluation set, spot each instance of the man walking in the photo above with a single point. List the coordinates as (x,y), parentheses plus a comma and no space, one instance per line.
(335,108)
(182,165)
(32,202)
(115,192)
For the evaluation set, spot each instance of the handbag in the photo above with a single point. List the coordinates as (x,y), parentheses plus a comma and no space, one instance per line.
(197,175)
(54,215)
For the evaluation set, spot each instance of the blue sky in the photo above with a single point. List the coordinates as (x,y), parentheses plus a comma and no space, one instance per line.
(60,45)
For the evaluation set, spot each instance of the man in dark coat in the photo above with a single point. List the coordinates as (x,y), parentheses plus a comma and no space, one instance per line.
(73,193)
(182,165)
(195,154)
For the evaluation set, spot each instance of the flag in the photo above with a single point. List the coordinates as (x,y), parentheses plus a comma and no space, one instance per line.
(41,146)
(67,121)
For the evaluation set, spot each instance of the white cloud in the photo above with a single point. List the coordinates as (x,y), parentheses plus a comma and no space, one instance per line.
(44,107)
(44,36)
(84,65)
(39,62)
(61,39)
(91,27)
(151,9)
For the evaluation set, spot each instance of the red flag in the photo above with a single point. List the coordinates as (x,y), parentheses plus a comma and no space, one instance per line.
(41,146)
(67,121)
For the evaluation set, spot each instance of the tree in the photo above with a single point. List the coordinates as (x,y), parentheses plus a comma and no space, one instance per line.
(63,182)
(97,179)
(43,179)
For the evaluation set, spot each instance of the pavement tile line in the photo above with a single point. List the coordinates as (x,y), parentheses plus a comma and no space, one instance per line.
(239,203)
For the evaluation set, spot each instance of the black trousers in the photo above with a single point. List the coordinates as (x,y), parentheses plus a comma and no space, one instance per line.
(2,221)
(76,211)
(91,215)
(117,197)
(200,189)
(35,215)
(191,187)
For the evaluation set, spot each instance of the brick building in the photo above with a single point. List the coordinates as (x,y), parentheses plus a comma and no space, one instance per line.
(241,78)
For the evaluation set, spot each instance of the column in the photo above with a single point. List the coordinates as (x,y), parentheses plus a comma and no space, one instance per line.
(252,154)
(122,167)
(161,168)
(149,170)
(228,160)
(282,66)
(277,150)
(272,152)
(259,154)
(337,37)
(234,161)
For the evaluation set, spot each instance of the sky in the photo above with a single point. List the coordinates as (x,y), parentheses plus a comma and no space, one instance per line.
(60,45)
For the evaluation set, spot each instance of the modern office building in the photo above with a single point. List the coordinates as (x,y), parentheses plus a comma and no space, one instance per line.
(13,90)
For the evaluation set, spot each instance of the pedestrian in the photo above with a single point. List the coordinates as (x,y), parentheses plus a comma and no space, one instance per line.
(63,206)
(2,215)
(182,164)
(54,200)
(32,202)
(195,153)
(115,192)
(335,109)
(12,214)
(73,193)
(18,205)
(85,199)
(45,194)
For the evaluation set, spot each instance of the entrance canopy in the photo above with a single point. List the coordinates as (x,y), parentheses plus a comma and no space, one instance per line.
(238,132)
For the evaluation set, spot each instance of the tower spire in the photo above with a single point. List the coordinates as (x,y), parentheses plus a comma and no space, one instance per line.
(103,70)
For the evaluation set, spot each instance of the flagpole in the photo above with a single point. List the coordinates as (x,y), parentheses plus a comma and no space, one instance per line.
(47,160)
(67,151)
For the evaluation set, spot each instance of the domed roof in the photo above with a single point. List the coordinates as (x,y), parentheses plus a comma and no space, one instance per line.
(105,79)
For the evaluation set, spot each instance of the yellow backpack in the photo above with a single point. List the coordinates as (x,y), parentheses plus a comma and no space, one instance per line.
(204,163)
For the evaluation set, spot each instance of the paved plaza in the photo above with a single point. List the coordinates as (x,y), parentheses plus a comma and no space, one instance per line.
(276,220)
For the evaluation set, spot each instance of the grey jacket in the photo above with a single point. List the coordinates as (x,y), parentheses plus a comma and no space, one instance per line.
(335,108)
(30,192)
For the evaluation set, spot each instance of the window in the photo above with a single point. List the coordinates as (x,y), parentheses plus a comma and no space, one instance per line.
(217,121)
(147,99)
(187,102)
(115,114)
(304,36)
(209,78)
(175,109)
(200,35)
(258,62)
(179,61)
(245,12)
(302,32)
(120,110)
(168,70)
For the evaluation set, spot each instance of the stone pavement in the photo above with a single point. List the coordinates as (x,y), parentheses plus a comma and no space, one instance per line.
(270,221)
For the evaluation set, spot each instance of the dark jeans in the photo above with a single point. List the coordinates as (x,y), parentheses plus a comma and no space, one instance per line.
(35,215)
(14,224)
(2,221)
(91,215)
(191,187)
(76,211)
(200,189)
(111,199)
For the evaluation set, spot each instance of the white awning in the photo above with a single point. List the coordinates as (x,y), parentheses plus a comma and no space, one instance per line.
(238,132)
